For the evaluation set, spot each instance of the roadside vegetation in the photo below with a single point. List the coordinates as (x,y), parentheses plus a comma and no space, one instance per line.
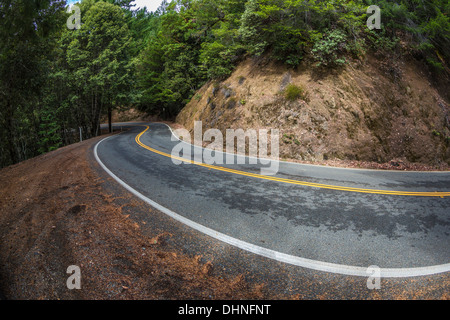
(54,81)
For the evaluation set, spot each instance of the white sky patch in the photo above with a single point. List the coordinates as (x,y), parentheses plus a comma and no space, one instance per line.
(152,5)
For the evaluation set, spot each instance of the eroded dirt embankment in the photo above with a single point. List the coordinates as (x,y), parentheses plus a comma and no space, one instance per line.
(364,115)
(55,213)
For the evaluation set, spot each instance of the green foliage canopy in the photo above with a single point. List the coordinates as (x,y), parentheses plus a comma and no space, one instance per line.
(54,80)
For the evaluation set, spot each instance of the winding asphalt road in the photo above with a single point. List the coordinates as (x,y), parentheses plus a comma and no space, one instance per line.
(330,219)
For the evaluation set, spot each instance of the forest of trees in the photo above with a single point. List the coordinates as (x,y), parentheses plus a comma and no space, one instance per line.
(54,80)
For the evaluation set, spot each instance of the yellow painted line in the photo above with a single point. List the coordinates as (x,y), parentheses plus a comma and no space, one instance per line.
(290,181)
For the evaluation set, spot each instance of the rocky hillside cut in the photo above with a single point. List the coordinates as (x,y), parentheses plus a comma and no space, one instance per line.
(367,111)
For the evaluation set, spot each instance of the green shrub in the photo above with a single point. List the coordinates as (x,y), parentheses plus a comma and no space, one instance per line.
(289,46)
(294,92)
(216,59)
(330,50)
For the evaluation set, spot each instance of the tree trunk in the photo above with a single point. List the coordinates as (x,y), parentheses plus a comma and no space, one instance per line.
(10,133)
(110,119)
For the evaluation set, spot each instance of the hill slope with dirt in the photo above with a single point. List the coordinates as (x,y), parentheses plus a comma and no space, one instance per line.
(373,113)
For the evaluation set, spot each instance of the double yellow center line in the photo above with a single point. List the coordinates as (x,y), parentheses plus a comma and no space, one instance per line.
(290,181)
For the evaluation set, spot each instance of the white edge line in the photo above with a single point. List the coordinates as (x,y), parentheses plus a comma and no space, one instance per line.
(275,255)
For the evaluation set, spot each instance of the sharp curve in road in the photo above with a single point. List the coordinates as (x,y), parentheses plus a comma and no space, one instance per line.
(328,219)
